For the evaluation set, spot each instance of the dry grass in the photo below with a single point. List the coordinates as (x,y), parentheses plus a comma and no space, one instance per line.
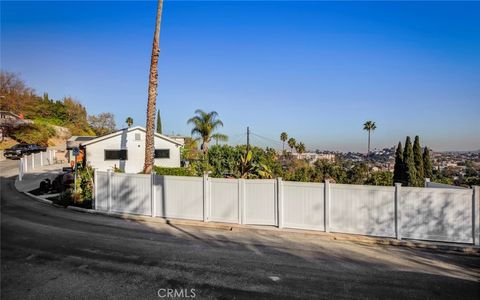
(7,144)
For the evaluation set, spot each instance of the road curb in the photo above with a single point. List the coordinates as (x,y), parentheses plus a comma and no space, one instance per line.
(39,199)
(359,239)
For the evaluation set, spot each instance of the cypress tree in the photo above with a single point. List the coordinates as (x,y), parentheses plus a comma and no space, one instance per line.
(398,171)
(409,164)
(418,158)
(427,163)
(159,122)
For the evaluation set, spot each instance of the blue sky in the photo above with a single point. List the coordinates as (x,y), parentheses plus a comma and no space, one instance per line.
(316,70)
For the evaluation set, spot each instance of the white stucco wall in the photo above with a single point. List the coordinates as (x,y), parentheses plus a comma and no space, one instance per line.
(136,152)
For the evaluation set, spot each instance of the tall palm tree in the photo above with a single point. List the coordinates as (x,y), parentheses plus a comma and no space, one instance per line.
(369,126)
(300,148)
(283,138)
(152,93)
(129,121)
(292,143)
(204,125)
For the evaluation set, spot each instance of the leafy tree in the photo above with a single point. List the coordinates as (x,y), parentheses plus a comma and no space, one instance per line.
(152,93)
(300,148)
(399,169)
(418,158)
(409,164)
(358,174)
(76,117)
(384,178)
(283,138)
(102,124)
(470,169)
(427,163)
(16,96)
(224,160)
(159,122)
(369,126)
(204,125)
(189,151)
(292,143)
(129,121)
(326,169)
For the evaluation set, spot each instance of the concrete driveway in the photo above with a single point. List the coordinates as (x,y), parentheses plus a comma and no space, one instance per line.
(54,253)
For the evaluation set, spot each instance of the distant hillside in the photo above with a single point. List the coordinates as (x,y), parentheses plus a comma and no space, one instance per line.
(48,115)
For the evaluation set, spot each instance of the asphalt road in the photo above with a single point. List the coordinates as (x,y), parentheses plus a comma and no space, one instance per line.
(55,253)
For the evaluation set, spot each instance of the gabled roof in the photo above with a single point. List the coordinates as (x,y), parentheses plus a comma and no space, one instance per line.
(81,138)
(119,132)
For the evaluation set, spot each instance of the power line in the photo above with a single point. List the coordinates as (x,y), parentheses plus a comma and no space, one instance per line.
(268,139)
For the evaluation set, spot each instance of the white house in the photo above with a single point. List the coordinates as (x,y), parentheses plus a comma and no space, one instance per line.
(125,149)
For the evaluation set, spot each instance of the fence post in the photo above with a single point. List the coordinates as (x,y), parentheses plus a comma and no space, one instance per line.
(152,194)
(95,188)
(20,170)
(326,209)
(476,215)
(206,197)
(50,157)
(241,201)
(427,181)
(398,219)
(41,159)
(33,161)
(25,165)
(280,202)
(109,190)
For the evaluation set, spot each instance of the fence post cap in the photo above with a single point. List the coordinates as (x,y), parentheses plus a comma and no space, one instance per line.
(398,184)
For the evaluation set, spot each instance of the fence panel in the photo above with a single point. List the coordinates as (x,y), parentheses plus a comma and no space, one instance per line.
(37,159)
(303,205)
(224,205)
(46,158)
(131,193)
(436,214)
(101,200)
(260,202)
(368,210)
(28,163)
(179,197)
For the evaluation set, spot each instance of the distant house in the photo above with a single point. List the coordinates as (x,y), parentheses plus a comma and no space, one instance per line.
(125,149)
(313,157)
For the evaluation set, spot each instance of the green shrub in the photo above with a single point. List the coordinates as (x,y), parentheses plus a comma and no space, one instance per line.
(384,178)
(173,171)
(65,198)
(33,134)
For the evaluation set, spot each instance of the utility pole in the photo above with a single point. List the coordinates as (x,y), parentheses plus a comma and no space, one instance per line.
(248,139)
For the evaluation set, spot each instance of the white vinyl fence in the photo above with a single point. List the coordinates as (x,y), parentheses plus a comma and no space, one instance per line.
(448,215)
(34,161)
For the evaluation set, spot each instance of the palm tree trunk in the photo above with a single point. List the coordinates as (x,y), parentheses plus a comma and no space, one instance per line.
(152,94)
(368,143)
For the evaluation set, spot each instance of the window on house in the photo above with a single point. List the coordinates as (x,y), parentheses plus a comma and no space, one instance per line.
(162,153)
(138,137)
(116,155)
